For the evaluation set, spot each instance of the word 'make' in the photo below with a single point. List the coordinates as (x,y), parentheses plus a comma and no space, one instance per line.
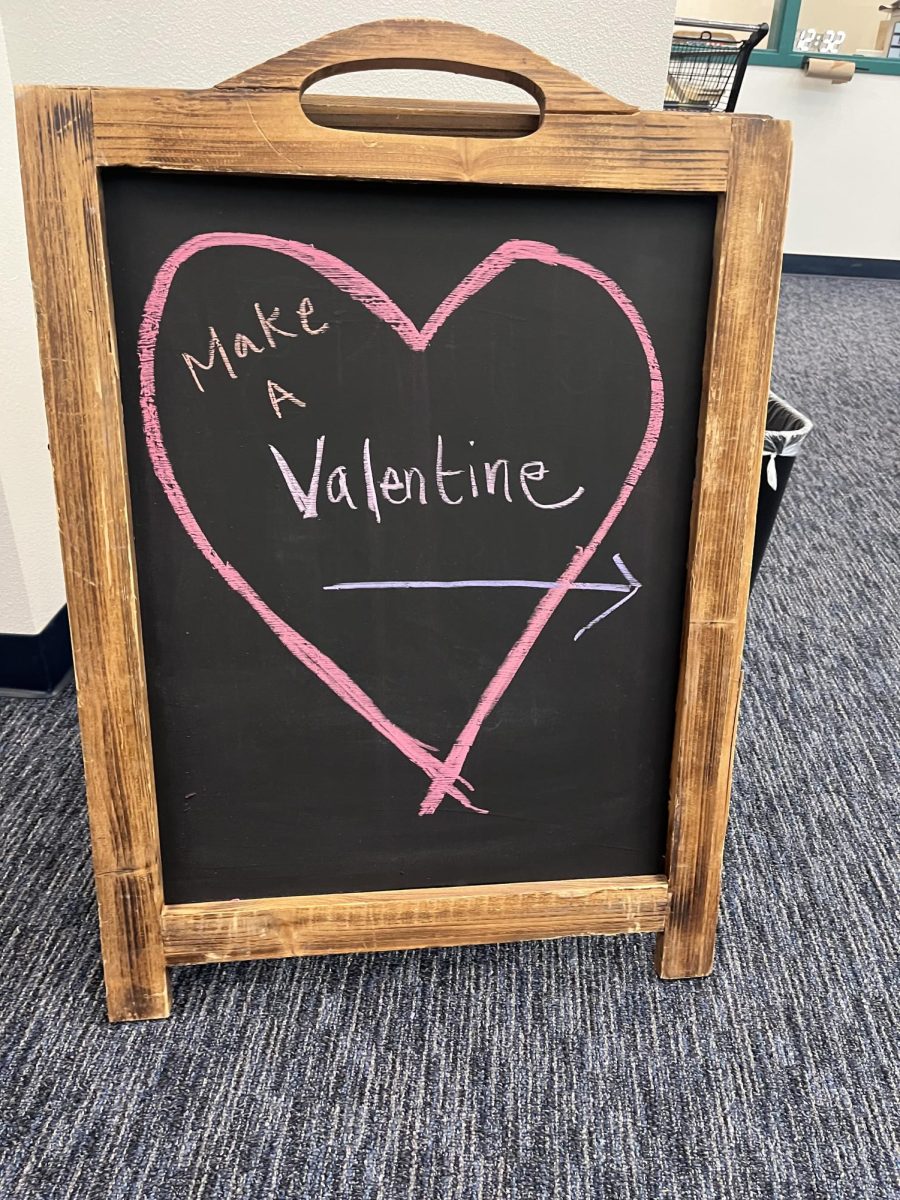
(242,345)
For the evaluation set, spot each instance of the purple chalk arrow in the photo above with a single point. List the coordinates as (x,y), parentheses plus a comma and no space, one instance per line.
(629,587)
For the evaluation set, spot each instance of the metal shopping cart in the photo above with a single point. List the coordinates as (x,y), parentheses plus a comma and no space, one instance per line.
(706,68)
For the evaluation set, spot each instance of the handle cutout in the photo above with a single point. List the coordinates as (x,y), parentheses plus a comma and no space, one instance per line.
(469,93)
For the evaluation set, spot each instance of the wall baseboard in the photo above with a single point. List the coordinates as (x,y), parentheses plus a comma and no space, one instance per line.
(36,664)
(826,264)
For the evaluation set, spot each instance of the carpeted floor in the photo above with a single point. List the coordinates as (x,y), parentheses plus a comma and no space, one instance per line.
(559,1069)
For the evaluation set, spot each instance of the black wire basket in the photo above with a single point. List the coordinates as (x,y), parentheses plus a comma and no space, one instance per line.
(706,69)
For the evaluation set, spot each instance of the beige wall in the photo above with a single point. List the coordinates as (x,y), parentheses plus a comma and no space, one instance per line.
(31,587)
(170,43)
(846,176)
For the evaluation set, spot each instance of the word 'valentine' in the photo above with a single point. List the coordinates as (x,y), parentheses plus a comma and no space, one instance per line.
(437,481)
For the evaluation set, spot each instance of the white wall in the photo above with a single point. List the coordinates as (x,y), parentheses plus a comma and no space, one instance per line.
(31,587)
(846,176)
(169,43)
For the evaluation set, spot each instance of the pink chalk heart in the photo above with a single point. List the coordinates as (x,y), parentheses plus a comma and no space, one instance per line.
(445,778)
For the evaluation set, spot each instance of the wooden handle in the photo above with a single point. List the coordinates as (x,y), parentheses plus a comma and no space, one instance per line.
(435,45)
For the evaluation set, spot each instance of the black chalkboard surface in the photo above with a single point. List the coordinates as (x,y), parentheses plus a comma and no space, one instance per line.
(369,427)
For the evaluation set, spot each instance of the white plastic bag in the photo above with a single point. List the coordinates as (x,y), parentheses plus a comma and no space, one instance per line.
(785,430)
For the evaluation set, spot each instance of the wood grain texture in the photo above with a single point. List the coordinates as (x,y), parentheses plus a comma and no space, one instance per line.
(739,357)
(444,118)
(339,924)
(63,216)
(268,133)
(440,45)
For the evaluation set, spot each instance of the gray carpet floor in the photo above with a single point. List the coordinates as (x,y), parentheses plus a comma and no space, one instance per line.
(558,1069)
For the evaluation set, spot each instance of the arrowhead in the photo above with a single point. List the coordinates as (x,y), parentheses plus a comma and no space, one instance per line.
(633,588)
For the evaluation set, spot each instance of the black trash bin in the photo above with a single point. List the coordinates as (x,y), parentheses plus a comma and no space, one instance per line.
(786,429)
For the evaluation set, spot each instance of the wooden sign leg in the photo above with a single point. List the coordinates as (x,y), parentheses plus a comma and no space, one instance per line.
(134,968)
(686,947)
(63,215)
(741,333)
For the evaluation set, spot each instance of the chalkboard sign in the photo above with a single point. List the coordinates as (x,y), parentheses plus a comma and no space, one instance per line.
(408,530)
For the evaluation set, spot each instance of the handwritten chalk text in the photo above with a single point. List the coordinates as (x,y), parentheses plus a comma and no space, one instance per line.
(242,345)
(438,482)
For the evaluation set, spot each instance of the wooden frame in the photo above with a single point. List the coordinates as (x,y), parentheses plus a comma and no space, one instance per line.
(253,124)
